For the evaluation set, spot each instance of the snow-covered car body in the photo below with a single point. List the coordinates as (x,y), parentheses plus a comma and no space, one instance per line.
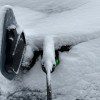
(77,76)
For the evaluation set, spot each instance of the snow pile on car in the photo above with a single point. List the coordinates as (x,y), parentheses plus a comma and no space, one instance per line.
(46,6)
(78,74)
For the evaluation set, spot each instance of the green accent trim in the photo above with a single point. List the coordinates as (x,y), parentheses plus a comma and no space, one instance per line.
(57,61)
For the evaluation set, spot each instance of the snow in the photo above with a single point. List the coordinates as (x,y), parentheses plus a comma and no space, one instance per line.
(75,77)
(27,56)
(48,59)
(46,6)
(12,27)
(73,26)
(74,22)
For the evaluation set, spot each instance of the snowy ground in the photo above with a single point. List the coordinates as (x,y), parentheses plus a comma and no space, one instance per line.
(74,22)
